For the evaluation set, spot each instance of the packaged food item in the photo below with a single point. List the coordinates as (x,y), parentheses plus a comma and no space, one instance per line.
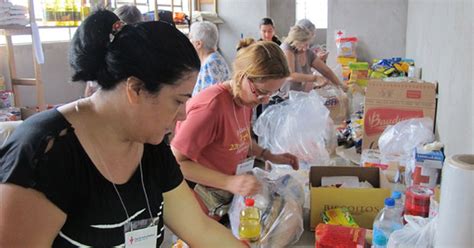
(331,236)
(359,73)
(371,158)
(346,47)
(339,216)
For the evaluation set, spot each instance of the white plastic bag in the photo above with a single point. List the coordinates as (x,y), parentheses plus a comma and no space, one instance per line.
(419,232)
(298,126)
(403,137)
(281,204)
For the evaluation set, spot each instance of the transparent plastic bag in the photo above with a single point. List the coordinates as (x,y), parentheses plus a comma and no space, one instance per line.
(418,232)
(403,137)
(397,144)
(280,201)
(297,125)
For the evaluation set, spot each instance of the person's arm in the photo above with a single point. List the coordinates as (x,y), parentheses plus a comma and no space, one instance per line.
(186,219)
(239,184)
(296,76)
(265,154)
(27,218)
(324,69)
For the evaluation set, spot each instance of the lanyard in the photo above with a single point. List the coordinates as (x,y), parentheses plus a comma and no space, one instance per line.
(245,121)
(115,186)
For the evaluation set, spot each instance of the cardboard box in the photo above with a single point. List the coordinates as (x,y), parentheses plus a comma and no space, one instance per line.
(387,103)
(430,159)
(364,204)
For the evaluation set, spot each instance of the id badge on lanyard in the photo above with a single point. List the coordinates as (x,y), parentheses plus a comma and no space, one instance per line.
(140,233)
(245,166)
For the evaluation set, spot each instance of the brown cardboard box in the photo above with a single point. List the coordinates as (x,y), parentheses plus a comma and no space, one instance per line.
(363,204)
(387,103)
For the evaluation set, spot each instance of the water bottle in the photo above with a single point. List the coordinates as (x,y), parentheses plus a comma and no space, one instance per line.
(249,226)
(399,206)
(387,221)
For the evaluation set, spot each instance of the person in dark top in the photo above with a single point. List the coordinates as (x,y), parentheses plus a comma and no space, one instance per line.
(267,31)
(96,172)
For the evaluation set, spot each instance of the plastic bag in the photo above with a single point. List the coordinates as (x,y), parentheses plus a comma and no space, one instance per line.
(403,137)
(281,204)
(297,125)
(418,232)
(336,101)
(397,144)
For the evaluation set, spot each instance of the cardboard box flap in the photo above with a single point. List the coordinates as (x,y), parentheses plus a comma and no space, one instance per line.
(369,174)
(401,93)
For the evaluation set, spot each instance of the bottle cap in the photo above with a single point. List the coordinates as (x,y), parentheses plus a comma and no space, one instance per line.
(396,195)
(389,202)
(249,202)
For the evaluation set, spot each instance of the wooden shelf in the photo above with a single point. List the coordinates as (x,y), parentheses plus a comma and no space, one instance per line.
(15,30)
(8,32)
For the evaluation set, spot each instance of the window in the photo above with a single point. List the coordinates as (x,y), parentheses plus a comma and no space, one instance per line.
(314,10)
(58,34)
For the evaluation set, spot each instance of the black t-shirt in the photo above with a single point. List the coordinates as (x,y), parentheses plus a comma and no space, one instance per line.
(68,178)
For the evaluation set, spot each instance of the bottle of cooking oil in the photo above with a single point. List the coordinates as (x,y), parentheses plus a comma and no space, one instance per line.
(249,226)
(85,9)
(50,14)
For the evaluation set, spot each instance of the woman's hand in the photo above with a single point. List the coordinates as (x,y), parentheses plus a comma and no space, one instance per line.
(284,158)
(322,55)
(244,185)
(344,87)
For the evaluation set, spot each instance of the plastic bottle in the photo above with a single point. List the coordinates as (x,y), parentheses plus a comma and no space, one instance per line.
(249,227)
(387,221)
(399,206)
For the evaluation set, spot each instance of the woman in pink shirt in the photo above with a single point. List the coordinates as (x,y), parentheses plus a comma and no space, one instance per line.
(214,140)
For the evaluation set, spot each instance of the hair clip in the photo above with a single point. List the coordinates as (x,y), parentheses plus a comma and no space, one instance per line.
(116,28)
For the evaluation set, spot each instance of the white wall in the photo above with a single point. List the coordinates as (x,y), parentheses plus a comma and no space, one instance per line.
(439,38)
(240,17)
(55,74)
(243,17)
(283,13)
(380,26)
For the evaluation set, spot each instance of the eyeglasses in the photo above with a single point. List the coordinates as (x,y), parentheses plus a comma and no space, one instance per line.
(259,93)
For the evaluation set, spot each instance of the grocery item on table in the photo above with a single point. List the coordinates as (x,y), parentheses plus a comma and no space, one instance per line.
(339,236)
(359,73)
(346,47)
(371,158)
(429,160)
(399,205)
(249,226)
(386,222)
(339,216)
(417,200)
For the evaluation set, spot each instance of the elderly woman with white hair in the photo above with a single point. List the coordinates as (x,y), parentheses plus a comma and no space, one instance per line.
(214,69)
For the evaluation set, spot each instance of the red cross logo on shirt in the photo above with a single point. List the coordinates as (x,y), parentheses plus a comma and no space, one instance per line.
(418,178)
